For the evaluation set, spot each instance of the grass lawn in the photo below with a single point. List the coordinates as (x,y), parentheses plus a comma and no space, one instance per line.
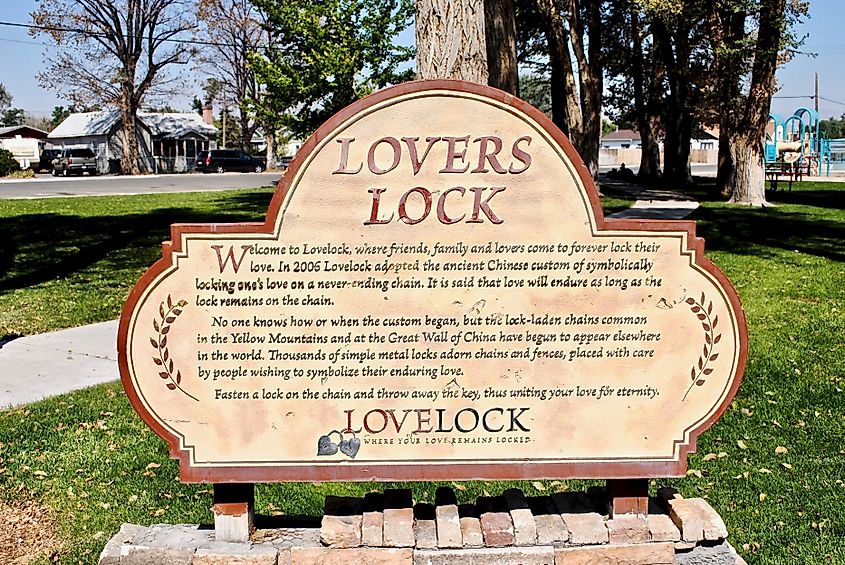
(773,466)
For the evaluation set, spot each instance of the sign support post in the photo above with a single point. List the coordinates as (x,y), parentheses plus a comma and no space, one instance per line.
(234,511)
(628,496)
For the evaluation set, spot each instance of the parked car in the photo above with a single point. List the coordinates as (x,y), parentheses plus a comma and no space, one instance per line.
(75,161)
(45,163)
(222,160)
(283,163)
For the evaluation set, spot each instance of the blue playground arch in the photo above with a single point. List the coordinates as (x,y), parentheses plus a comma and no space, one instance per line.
(798,142)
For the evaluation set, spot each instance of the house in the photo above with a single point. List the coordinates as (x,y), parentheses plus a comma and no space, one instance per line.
(24,142)
(621,139)
(285,149)
(705,139)
(11,132)
(167,142)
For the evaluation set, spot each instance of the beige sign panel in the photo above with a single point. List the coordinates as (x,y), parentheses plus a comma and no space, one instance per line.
(435,294)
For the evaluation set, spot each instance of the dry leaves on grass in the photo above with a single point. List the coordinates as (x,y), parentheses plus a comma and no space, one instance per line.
(26,533)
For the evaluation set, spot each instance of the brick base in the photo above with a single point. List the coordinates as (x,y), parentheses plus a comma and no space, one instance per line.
(569,529)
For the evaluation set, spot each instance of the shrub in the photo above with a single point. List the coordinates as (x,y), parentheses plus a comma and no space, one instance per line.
(8,164)
(22,174)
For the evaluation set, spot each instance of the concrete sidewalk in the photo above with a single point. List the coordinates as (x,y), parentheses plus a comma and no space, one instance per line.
(651,203)
(38,366)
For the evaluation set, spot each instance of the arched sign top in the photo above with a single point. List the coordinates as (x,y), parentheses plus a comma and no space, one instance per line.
(434,294)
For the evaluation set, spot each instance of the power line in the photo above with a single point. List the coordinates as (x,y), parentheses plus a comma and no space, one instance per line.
(833,101)
(30,42)
(101,34)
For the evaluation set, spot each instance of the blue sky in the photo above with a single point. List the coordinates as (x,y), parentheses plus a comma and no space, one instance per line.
(22,58)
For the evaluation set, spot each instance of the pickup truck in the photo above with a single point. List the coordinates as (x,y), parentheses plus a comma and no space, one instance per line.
(75,161)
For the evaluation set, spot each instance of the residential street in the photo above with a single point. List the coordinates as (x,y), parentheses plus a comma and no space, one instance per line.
(46,186)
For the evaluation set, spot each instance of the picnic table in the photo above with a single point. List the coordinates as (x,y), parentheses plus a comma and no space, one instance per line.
(783,170)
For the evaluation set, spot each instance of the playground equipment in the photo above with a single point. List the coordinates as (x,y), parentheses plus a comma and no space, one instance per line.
(795,146)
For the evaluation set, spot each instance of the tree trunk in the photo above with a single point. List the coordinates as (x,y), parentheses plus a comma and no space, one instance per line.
(566,108)
(500,31)
(450,40)
(129,155)
(270,138)
(591,74)
(648,121)
(725,171)
(246,131)
(673,48)
(749,179)
(650,149)
(747,147)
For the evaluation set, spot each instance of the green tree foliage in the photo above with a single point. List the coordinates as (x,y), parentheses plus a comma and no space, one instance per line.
(8,164)
(9,116)
(324,55)
(834,127)
(60,114)
(13,117)
(534,89)
(5,97)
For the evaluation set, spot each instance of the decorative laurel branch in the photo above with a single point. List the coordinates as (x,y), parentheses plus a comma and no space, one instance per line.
(701,370)
(163,359)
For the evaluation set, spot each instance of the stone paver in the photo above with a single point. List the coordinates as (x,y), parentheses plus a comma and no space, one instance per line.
(236,554)
(662,528)
(696,519)
(627,529)
(372,529)
(425,527)
(550,526)
(448,526)
(360,556)
(470,526)
(341,531)
(524,525)
(647,554)
(487,556)
(372,523)
(496,523)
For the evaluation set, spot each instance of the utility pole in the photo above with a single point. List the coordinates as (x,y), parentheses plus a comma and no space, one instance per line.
(816,97)
(225,111)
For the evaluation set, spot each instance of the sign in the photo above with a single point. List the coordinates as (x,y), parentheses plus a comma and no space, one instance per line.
(434,294)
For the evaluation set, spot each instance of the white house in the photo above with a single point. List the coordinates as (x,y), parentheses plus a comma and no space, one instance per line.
(621,139)
(167,142)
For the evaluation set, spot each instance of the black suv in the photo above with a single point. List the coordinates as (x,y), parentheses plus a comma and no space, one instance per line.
(222,160)
(45,163)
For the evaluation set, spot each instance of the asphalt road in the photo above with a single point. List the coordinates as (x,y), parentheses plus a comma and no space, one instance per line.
(46,186)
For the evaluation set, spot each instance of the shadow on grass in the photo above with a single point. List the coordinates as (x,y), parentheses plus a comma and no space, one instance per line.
(819,197)
(763,231)
(41,247)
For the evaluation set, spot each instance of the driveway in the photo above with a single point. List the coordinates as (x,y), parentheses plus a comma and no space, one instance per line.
(47,186)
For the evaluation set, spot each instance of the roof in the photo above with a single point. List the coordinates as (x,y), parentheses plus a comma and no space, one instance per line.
(86,124)
(622,135)
(168,125)
(177,124)
(23,131)
(704,135)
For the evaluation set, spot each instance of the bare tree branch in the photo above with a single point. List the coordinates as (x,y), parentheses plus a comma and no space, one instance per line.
(118,51)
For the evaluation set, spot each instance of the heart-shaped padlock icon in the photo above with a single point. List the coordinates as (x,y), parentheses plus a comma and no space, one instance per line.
(350,447)
(325,445)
